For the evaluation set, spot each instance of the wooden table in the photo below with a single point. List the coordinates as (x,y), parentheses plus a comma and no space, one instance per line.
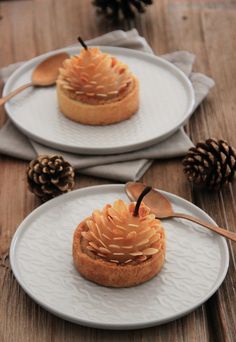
(204,27)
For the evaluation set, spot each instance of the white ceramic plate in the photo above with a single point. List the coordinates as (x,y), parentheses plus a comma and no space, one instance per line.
(40,254)
(167,99)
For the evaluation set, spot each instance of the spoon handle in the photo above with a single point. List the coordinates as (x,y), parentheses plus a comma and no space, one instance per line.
(14,92)
(218,230)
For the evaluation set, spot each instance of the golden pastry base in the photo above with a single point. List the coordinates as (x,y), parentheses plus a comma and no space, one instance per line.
(109,274)
(101,114)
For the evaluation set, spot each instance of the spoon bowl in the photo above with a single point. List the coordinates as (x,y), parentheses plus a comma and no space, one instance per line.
(158,203)
(46,73)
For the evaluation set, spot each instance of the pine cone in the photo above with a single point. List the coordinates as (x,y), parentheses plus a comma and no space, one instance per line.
(113,8)
(210,164)
(50,176)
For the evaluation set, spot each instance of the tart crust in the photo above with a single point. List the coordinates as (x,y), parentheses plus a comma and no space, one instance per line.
(100,114)
(109,274)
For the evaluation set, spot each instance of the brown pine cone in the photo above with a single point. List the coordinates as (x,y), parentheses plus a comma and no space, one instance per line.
(115,9)
(50,176)
(210,164)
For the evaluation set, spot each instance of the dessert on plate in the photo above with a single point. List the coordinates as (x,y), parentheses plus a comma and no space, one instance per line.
(95,88)
(119,246)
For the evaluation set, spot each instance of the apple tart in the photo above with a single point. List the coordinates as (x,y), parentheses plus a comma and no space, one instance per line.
(95,88)
(115,247)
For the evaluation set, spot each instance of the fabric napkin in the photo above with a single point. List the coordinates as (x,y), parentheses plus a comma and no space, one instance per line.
(125,166)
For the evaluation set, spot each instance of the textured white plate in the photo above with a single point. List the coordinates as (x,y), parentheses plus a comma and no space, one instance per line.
(167,100)
(196,264)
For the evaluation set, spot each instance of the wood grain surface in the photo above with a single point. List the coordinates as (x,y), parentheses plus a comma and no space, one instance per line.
(204,27)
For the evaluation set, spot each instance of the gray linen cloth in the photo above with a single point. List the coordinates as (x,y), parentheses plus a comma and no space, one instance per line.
(125,166)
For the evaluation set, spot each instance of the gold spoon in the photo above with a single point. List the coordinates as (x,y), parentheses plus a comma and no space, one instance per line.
(161,207)
(44,75)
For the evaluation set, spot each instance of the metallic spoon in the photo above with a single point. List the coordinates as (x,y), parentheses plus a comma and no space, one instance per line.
(162,208)
(45,74)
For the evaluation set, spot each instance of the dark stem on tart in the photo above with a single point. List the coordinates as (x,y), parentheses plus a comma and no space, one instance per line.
(82,43)
(139,200)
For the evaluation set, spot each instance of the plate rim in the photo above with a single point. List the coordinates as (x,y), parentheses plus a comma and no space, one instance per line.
(96,324)
(108,150)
